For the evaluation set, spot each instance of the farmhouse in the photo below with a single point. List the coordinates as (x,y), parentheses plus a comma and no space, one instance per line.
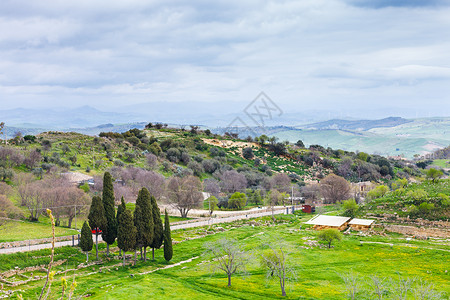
(325,222)
(360,224)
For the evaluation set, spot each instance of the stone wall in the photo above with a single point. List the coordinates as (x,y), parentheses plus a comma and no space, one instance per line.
(418,231)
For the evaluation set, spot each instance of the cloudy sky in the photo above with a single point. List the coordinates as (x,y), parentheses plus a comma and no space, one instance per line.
(352,55)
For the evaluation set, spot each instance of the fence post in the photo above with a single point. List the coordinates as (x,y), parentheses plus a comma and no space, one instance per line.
(73,240)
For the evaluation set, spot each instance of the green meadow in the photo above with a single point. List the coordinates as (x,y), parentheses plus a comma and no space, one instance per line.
(314,272)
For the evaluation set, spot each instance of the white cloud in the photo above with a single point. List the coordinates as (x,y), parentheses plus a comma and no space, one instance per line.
(313,53)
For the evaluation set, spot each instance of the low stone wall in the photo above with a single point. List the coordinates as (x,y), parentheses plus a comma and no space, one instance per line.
(418,231)
(26,243)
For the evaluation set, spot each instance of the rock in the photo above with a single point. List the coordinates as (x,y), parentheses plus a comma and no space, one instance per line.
(220,229)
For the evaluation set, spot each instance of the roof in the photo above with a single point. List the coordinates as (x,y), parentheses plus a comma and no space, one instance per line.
(366,222)
(328,220)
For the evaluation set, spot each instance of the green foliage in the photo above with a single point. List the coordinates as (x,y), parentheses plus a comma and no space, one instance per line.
(350,207)
(237,201)
(120,209)
(86,242)
(363,156)
(168,248)
(247,153)
(211,204)
(417,194)
(158,230)
(434,174)
(425,207)
(85,187)
(110,233)
(143,219)
(377,192)
(445,199)
(126,233)
(96,215)
(329,236)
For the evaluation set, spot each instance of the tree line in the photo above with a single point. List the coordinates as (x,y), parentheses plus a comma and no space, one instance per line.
(133,231)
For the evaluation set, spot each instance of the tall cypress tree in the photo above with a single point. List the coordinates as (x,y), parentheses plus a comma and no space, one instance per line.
(110,233)
(168,250)
(158,231)
(139,224)
(145,227)
(97,219)
(126,233)
(120,209)
(86,242)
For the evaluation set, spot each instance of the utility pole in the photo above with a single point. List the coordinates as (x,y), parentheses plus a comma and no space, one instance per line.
(292,195)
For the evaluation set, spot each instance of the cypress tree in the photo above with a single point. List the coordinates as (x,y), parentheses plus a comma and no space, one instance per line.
(168,250)
(126,233)
(120,209)
(145,227)
(158,231)
(110,233)
(97,218)
(86,242)
(139,224)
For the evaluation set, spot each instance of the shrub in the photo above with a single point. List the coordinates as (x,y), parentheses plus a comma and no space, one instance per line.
(237,201)
(350,206)
(329,235)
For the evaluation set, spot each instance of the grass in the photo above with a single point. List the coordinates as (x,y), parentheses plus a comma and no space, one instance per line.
(442,163)
(317,270)
(12,231)
(20,230)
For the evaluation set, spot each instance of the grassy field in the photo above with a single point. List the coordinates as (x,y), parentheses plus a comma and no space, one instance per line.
(317,270)
(442,163)
(19,230)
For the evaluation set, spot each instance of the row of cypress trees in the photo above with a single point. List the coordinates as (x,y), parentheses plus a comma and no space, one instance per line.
(139,231)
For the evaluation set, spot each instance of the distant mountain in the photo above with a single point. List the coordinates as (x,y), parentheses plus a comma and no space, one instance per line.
(359,125)
(57,119)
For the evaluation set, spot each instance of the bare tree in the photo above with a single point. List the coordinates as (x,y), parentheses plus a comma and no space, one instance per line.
(185,193)
(352,284)
(232,181)
(379,286)
(228,257)
(124,191)
(151,160)
(275,261)
(334,188)
(32,159)
(281,182)
(401,287)
(273,198)
(212,187)
(33,197)
(424,290)
(76,203)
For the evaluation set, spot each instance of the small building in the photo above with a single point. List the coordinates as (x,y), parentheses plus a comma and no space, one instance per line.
(306,208)
(361,224)
(325,222)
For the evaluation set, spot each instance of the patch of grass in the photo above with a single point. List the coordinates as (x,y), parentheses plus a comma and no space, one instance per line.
(20,230)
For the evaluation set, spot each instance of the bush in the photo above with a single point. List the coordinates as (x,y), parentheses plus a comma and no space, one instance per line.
(237,201)
(247,153)
(329,235)
(350,206)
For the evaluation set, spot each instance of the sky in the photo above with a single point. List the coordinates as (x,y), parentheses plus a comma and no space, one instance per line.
(350,55)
